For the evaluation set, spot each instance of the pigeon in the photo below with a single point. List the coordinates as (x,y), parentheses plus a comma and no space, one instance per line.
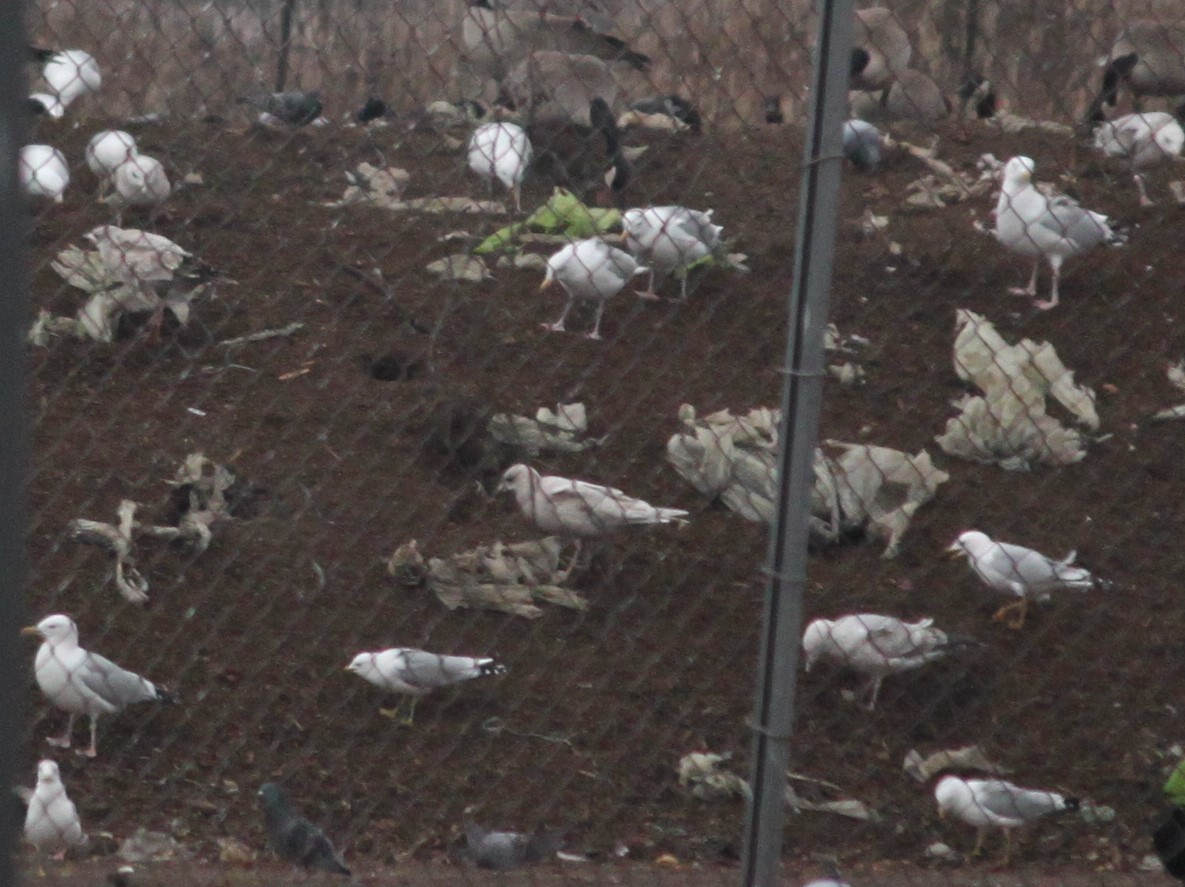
(1056,228)
(140,181)
(668,239)
(1019,571)
(293,108)
(876,646)
(501,151)
(417,672)
(51,821)
(108,150)
(502,851)
(69,74)
(43,172)
(862,144)
(80,682)
(994,803)
(294,838)
(1144,140)
(589,269)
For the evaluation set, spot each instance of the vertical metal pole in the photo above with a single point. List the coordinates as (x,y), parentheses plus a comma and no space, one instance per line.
(286,16)
(814,249)
(13,397)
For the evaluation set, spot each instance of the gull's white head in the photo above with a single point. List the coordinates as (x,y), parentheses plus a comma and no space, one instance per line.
(54,629)
(516,476)
(1019,171)
(949,793)
(814,640)
(969,543)
(48,774)
(362,665)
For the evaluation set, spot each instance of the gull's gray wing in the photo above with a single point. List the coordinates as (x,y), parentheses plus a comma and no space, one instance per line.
(1009,801)
(116,686)
(432,670)
(1067,219)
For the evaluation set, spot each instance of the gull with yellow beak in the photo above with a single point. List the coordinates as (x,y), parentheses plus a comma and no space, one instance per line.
(589,269)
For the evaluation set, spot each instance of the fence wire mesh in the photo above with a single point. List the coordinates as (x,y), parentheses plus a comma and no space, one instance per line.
(295,416)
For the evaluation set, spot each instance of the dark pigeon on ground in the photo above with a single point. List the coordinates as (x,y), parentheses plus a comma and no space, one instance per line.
(503,851)
(374,109)
(293,837)
(294,107)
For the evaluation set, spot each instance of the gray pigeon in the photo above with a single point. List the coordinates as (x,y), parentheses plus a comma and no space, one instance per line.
(293,837)
(862,144)
(294,107)
(503,851)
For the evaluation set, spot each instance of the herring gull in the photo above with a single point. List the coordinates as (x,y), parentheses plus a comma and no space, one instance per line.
(589,269)
(668,239)
(51,822)
(501,151)
(417,672)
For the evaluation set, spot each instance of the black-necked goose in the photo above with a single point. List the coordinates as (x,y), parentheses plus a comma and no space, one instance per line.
(880,50)
(1148,56)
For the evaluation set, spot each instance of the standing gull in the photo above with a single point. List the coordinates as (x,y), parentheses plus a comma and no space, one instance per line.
(576,508)
(1054,228)
(994,803)
(69,74)
(43,172)
(1144,141)
(876,646)
(294,838)
(108,150)
(669,239)
(417,672)
(589,269)
(79,682)
(1019,571)
(501,151)
(51,822)
(140,181)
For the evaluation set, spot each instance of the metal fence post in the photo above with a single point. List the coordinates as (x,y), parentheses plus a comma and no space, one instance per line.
(13,394)
(814,248)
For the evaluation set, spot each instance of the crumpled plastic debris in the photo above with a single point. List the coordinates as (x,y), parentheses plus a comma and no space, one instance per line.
(109,298)
(460,266)
(866,489)
(1176,376)
(1009,424)
(849,807)
(145,846)
(206,483)
(563,213)
(701,773)
(561,431)
(374,186)
(970,757)
(512,578)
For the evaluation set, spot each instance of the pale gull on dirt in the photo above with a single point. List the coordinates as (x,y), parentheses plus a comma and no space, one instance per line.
(69,74)
(589,269)
(1054,228)
(415,672)
(140,181)
(108,150)
(994,803)
(501,151)
(1019,571)
(43,172)
(668,239)
(79,682)
(1144,140)
(51,821)
(877,646)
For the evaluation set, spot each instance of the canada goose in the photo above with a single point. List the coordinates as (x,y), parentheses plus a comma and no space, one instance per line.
(911,96)
(495,40)
(589,269)
(1056,228)
(862,144)
(1149,56)
(501,151)
(557,87)
(977,92)
(69,74)
(1144,140)
(43,172)
(880,49)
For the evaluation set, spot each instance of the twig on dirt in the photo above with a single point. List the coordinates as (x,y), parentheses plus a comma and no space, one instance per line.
(375,281)
(263,335)
(496,725)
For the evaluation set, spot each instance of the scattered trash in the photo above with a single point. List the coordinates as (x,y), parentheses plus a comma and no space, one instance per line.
(940,852)
(847,807)
(1008,424)
(460,266)
(1176,376)
(512,579)
(564,213)
(232,851)
(146,846)
(373,186)
(117,539)
(263,335)
(701,773)
(970,757)
(561,431)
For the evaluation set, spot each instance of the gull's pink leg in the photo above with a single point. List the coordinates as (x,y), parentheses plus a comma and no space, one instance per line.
(648,294)
(558,326)
(1031,289)
(596,330)
(62,741)
(1052,303)
(93,750)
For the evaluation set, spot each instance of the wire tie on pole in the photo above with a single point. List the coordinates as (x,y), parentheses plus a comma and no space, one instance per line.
(804,374)
(820,158)
(767,733)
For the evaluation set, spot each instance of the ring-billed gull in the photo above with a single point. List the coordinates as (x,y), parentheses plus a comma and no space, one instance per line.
(876,646)
(577,508)
(501,151)
(994,803)
(1054,228)
(69,74)
(417,672)
(109,149)
(588,269)
(668,239)
(51,822)
(1023,572)
(862,144)
(79,682)
(140,180)
(294,838)
(1144,140)
(502,851)
(43,172)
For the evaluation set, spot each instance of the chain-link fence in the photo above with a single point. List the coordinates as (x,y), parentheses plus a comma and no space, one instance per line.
(300,410)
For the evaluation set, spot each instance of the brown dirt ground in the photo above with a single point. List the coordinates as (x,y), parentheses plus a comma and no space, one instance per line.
(597,707)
